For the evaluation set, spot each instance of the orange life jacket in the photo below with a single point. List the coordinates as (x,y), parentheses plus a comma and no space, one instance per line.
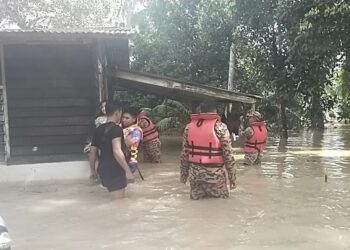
(203,144)
(150,132)
(257,142)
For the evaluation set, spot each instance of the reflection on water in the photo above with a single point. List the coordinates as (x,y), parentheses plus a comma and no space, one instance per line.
(283,204)
(310,153)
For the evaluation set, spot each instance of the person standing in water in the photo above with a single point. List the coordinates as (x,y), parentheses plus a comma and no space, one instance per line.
(255,135)
(100,119)
(107,141)
(207,151)
(132,136)
(151,144)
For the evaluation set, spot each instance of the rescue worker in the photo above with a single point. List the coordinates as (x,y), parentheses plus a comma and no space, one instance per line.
(150,143)
(256,136)
(107,143)
(132,136)
(206,152)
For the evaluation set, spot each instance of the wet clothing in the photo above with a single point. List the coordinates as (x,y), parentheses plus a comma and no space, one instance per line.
(209,180)
(257,142)
(100,120)
(149,129)
(111,174)
(134,134)
(151,146)
(152,151)
(253,157)
(204,145)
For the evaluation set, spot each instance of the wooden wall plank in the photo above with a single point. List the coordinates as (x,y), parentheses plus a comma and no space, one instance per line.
(47,150)
(51,112)
(48,140)
(37,131)
(52,102)
(49,121)
(46,92)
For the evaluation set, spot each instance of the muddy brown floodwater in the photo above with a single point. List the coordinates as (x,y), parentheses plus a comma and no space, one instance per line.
(284,204)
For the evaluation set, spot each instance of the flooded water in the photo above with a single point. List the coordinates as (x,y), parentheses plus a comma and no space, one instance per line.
(284,204)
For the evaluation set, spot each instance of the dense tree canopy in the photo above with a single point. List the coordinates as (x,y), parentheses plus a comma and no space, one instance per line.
(295,53)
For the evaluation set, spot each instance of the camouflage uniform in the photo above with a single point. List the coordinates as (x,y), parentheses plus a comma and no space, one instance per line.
(251,158)
(151,149)
(209,181)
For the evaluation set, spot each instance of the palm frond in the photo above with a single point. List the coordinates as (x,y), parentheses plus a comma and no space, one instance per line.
(177,106)
(163,110)
(166,123)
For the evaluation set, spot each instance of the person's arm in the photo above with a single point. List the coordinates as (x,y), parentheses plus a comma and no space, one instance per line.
(92,162)
(134,137)
(228,154)
(120,157)
(185,166)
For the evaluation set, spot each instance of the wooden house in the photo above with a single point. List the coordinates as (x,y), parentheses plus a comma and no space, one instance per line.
(52,81)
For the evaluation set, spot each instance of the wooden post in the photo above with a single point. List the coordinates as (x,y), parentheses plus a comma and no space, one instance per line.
(231,73)
(102,75)
(253,106)
(6,119)
(194,106)
(99,76)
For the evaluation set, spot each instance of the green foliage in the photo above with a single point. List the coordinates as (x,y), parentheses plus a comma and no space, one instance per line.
(136,99)
(293,53)
(168,115)
(65,13)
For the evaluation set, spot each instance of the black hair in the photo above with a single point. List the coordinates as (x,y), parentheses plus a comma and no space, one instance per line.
(99,110)
(207,106)
(112,107)
(134,112)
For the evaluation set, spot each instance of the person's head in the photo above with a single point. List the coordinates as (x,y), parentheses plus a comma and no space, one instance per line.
(113,111)
(102,108)
(129,117)
(208,106)
(253,116)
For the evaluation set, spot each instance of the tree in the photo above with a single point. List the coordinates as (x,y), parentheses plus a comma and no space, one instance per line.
(67,13)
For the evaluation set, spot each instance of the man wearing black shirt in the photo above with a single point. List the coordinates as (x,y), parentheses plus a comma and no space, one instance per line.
(108,141)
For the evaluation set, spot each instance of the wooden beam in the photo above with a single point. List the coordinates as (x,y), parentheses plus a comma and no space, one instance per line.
(253,106)
(6,119)
(164,83)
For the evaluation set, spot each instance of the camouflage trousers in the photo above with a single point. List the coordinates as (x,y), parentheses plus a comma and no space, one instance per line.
(200,190)
(252,159)
(152,151)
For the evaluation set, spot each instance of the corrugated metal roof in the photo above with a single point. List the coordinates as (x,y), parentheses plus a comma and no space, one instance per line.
(176,89)
(110,32)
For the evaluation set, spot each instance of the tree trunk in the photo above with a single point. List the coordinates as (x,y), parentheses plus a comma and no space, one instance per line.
(282,120)
(317,116)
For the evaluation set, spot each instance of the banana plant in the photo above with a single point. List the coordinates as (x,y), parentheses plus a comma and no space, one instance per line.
(170,114)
